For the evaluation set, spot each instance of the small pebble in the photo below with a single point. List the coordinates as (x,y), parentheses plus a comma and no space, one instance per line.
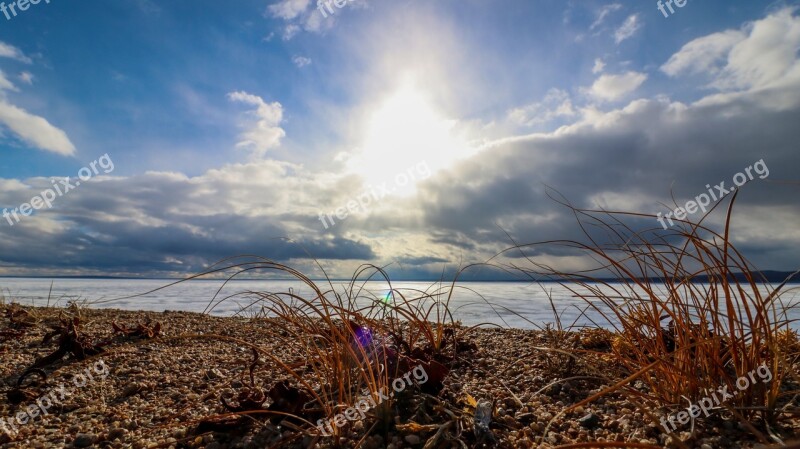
(84,440)
(589,421)
(412,440)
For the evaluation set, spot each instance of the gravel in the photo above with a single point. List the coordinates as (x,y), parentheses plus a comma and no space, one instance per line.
(157,391)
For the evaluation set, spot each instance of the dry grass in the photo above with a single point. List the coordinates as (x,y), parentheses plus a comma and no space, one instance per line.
(690,316)
(346,344)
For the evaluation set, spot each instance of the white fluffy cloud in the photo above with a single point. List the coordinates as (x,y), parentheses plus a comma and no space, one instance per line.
(32,129)
(35,130)
(766,57)
(762,55)
(614,87)
(704,54)
(265,133)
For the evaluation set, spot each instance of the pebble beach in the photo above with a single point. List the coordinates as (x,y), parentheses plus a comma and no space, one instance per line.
(142,392)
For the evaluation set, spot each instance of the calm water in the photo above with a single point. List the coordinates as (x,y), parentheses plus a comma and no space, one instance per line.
(519,305)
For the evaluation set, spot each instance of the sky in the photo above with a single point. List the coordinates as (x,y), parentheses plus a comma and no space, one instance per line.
(418,135)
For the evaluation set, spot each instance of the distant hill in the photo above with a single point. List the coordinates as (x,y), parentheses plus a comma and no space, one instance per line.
(492,275)
(487,274)
(775,277)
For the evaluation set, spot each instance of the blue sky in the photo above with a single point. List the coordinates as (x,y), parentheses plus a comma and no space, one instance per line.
(234,126)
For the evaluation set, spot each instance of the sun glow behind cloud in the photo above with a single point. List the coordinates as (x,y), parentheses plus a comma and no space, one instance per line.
(403,131)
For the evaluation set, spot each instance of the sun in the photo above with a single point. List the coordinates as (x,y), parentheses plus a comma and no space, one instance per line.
(403,134)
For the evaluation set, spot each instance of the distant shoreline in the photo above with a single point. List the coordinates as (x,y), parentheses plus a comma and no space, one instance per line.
(770,276)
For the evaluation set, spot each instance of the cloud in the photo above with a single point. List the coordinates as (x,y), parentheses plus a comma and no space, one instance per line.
(556,103)
(172,224)
(767,57)
(31,129)
(614,87)
(760,59)
(703,55)
(761,55)
(299,15)
(614,155)
(599,66)
(35,130)
(26,77)
(303,15)
(290,31)
(604,11)
(288,9)
(266,132)
(9,51)
(301,61)
(634,155)
(5,84)
(628,28)
(164,222)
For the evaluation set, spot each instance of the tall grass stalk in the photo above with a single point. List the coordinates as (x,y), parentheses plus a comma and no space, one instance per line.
(690,312)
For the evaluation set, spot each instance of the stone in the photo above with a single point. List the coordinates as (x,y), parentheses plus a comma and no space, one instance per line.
(589,421)
(412,440)
(84,440)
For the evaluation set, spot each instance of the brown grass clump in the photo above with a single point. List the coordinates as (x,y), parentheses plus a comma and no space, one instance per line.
(343,346)
(691,316)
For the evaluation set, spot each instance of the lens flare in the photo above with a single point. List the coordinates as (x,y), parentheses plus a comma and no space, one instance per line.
(363,336)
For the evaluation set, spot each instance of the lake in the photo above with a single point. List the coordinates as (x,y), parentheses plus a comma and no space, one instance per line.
(509,304)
